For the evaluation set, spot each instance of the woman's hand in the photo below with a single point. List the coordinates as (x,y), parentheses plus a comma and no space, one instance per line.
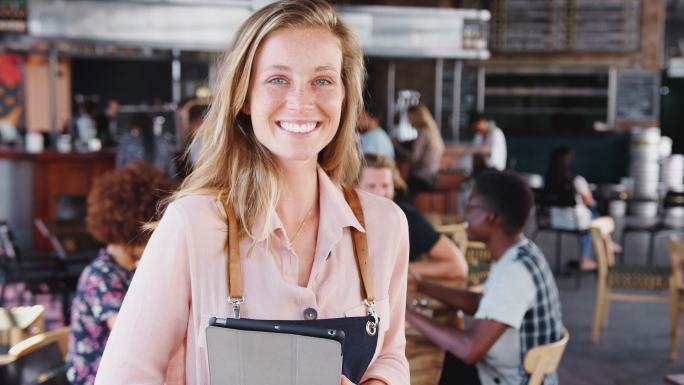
(345,381)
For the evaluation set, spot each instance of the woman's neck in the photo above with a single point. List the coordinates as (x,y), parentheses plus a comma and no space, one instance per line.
(299,194)
(122,255)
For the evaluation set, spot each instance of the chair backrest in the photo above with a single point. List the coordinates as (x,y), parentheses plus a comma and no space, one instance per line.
(544,359)
(545,200)
(20,323)
(477,253)
(601,230)
(676,247)
(479,263)
(31,344)
(8,249)
(44,365)
(456,232)
(56,244)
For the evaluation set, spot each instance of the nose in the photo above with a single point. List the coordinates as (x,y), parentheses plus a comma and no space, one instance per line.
(300,98)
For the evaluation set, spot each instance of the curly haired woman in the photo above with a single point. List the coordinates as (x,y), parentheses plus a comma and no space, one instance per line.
(119,203)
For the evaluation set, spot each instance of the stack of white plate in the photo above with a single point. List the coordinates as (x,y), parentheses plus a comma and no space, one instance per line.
(644,168)
(617,208)
(674,216)
(665,147)
(643,209)
(672,172)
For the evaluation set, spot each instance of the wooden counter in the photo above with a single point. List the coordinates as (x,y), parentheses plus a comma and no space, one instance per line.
(50,181)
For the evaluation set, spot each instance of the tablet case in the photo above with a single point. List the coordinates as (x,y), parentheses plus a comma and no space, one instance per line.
(257,352)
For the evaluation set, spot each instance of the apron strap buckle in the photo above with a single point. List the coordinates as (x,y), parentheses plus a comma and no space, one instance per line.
(236,302)
(371,326)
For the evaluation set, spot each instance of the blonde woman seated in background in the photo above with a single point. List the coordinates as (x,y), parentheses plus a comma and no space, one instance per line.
(379,176)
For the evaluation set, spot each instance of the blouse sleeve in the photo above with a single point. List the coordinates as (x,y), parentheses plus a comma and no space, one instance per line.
(391,365)
(153,319)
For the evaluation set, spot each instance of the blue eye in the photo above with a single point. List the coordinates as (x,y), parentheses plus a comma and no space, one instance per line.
(322,82)
(277,81)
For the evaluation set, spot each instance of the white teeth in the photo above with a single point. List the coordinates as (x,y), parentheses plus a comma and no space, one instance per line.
(298,128)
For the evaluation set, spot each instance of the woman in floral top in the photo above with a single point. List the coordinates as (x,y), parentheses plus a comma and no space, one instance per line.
(118,204)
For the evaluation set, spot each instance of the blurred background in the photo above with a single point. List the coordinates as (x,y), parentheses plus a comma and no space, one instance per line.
(604,78)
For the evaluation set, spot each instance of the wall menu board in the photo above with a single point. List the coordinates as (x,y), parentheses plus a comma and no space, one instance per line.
(566,25)
(613,25)
(527,25)
(637,96)
(13,16)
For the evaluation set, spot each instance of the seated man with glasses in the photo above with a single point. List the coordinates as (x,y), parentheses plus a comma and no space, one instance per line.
(519,307)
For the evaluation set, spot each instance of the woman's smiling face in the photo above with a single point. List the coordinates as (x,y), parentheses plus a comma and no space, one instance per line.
(296,93)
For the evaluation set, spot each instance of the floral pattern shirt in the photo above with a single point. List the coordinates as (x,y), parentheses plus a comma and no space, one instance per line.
(101,290)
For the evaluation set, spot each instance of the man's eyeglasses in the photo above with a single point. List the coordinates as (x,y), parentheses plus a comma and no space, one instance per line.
(471,206)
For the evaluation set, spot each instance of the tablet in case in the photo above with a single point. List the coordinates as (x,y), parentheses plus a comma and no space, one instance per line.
(258,352)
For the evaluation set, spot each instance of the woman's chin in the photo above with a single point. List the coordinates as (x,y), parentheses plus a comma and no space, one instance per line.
(297,158)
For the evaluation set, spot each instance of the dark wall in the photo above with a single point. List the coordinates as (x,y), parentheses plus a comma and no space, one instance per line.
(672,113)
(129,81)
(598,158)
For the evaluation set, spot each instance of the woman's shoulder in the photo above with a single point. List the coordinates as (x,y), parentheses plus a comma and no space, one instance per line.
(380,211)
(196,206)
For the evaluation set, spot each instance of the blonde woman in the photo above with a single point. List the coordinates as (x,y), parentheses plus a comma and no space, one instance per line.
(427,150)
(443,259)
(279,140)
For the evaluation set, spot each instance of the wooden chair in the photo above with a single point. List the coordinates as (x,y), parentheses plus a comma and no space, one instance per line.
(676,247)
(479,262)
(456,232)
(31,344)
(612,277)
(38,360)
(543,204)
(20,323)
(544,359)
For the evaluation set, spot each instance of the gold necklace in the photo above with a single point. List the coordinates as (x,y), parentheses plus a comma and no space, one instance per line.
(301,225)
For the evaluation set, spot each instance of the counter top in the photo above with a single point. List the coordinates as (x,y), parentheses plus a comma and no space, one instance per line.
(54,155)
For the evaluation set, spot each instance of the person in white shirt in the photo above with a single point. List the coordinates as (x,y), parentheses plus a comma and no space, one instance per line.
(489,143)
(519,307)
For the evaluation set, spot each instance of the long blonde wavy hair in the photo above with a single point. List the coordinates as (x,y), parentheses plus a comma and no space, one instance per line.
(232,163)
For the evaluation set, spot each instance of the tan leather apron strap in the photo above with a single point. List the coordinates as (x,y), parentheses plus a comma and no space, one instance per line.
(234,272)
(360,243)
(233,269)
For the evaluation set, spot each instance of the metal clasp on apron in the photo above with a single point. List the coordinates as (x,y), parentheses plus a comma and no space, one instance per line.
(236,302)
(371,326)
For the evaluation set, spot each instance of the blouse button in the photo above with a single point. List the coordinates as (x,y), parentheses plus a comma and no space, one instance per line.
(310,314)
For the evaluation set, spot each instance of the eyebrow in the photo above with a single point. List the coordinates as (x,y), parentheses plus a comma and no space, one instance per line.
(281,67)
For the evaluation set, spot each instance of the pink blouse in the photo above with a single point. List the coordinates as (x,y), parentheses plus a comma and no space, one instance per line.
(159,335)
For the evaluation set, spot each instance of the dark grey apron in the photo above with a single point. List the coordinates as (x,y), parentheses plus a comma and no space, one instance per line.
(361,333)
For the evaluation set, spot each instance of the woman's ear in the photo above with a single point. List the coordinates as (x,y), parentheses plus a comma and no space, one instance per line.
(245,107)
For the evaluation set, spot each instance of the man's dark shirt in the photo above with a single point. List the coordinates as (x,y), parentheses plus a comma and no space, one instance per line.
(422,236)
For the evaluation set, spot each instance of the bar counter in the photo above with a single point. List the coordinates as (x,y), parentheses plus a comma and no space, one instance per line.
(49,185)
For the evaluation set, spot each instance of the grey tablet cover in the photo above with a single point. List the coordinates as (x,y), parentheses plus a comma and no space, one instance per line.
(245,357)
